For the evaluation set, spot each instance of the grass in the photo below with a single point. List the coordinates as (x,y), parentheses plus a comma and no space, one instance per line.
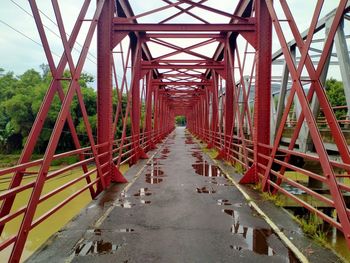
(275,198)
(257,187)
(312,227)
(211,152)
(8,160)
(239,168)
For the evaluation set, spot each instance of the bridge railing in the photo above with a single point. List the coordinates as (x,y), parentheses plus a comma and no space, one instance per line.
(294,174)
(123,150)
(308,187)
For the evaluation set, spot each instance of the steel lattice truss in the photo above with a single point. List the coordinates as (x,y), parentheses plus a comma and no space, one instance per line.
(197,70)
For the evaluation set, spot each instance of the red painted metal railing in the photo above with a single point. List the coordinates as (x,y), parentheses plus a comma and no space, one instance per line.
(319,203)
(147,141)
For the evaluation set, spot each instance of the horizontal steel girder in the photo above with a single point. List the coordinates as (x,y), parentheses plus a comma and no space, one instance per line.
(148,66)
(240,27)
(181,83)
(184,35)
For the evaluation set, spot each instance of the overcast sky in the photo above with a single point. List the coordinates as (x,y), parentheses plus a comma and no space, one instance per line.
(19,53)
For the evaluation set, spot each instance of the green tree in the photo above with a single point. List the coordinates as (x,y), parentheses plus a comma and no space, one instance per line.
(336,96)
(5,134)
(180,120)
(21,99)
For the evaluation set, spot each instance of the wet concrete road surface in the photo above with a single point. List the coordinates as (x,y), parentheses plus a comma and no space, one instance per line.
(180,209)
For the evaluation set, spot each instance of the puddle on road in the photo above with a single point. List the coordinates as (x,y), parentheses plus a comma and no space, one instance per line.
(189,141)
(153,180)
(155,172)
(143,192)
(96,248)
(154,162)
(223,202)
(198,155)
(126,230)
(124,204)
(256,238)
(165,151)
(215,182)
(205,190)
(124,194)
(98,231)
(207,170)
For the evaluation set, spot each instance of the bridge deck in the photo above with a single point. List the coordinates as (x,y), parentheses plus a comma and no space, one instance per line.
(179,207)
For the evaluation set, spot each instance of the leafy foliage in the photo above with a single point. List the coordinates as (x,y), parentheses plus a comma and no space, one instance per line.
(336,96)
(21,99)
(180,120)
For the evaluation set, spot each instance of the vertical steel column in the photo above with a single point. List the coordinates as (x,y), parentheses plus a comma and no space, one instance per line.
(263,82)
(135,96)
(135,100)
(149,93)
(104,87)
(262,106)
(215,109)
(156,113)
(229,99)
(206,114)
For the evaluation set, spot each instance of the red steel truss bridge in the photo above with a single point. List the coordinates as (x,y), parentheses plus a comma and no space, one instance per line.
(247,93)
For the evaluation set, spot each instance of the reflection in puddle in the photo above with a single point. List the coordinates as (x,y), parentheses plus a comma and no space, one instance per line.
(126,230)
(153,180)
(213,181)
(154,162)
(208,170)
(96,231)
(124,204)
(165,151)
(124,194)
(205,190)
(223,202)
(96,248)
(189,140)
(155,172)
(143,192)
(256,238)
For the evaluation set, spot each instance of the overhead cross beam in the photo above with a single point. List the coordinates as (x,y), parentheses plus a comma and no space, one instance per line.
(120,26)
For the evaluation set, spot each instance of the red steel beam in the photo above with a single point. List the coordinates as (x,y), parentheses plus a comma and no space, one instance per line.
(263,82)
(118,26)
(104,83)
(181,83)
(181,91)
(184,35)
(148,66)
(175,75)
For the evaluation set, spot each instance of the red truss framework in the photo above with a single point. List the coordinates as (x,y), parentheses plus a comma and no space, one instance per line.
(210,90)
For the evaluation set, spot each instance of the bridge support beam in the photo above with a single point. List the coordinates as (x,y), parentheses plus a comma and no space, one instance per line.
(262,91)
(104,94)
